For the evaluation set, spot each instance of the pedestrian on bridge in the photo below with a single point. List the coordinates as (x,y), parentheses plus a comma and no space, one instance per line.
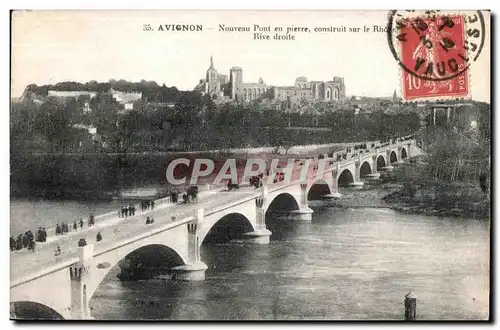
(124,211)
(58,229)
(98,237)
(131,209)
(12,243)
(31,246)
(25,240)
(148,221)
(174,197)
(81,223)
(41,235)
(75,226)
(38,236)
(152,203)
(91,219)
(19,242)
(30,237)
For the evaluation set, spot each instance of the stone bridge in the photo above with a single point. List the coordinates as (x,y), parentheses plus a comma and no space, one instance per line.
(46,286)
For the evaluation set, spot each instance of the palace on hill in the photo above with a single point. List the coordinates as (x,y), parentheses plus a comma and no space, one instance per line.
(224,89)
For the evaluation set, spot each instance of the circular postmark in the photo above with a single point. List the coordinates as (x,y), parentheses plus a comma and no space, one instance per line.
(435,45)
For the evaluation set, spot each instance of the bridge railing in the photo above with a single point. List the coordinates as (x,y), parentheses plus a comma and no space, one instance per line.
(373,146)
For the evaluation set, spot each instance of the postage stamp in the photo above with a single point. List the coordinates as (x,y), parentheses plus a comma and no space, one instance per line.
(435,50)
(264,155)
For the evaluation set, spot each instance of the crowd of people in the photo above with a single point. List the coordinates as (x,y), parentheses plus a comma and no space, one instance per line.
(146,205)
(26,240)
(65,228)
(127,210)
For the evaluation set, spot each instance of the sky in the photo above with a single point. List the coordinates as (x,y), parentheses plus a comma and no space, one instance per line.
(54,46)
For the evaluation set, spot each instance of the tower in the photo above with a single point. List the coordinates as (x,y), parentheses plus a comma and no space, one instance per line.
(211,72)
(395,97)
(235,81)
(212,85)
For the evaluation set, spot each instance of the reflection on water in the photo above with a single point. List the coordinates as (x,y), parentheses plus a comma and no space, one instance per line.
(347,264)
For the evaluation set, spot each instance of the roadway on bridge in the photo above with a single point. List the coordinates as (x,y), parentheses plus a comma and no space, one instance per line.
(24,262)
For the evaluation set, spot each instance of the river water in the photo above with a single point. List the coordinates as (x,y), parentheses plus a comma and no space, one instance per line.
(348,264)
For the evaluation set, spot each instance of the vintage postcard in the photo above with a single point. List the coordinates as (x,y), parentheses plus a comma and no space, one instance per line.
(250,165)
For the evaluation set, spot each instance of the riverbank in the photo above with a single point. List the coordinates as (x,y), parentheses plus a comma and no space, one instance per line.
(442,199)
(406,189)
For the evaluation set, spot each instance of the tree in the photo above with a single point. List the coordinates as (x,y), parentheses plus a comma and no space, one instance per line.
(53,122)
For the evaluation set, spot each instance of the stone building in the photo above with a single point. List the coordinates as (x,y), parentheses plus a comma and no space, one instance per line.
(218,86)
(214,83)
(311,91)
(71,94)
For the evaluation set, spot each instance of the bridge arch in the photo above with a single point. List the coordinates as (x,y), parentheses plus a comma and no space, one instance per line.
(136,264)
(169,245)
(345,178)
(393,157)
(225,228)
(380,162)
(319,188)
(404,154)
(30,310)
(283,202)
(365,169)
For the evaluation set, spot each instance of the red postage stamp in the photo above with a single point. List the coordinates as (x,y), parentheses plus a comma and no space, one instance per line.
(435,50)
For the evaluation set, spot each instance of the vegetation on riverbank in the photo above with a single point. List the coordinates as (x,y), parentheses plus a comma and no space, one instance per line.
(407,190)
(436,197)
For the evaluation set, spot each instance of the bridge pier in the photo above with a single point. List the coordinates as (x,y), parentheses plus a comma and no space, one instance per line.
(261,235)
(302,214)
(191,272)
(79,274)
(258,236)
(334,186)
(373,166)
(335,194)
(373,176)
(357,183)
(194,270)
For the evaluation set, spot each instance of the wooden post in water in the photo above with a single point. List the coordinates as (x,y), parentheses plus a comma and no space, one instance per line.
(410,307)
